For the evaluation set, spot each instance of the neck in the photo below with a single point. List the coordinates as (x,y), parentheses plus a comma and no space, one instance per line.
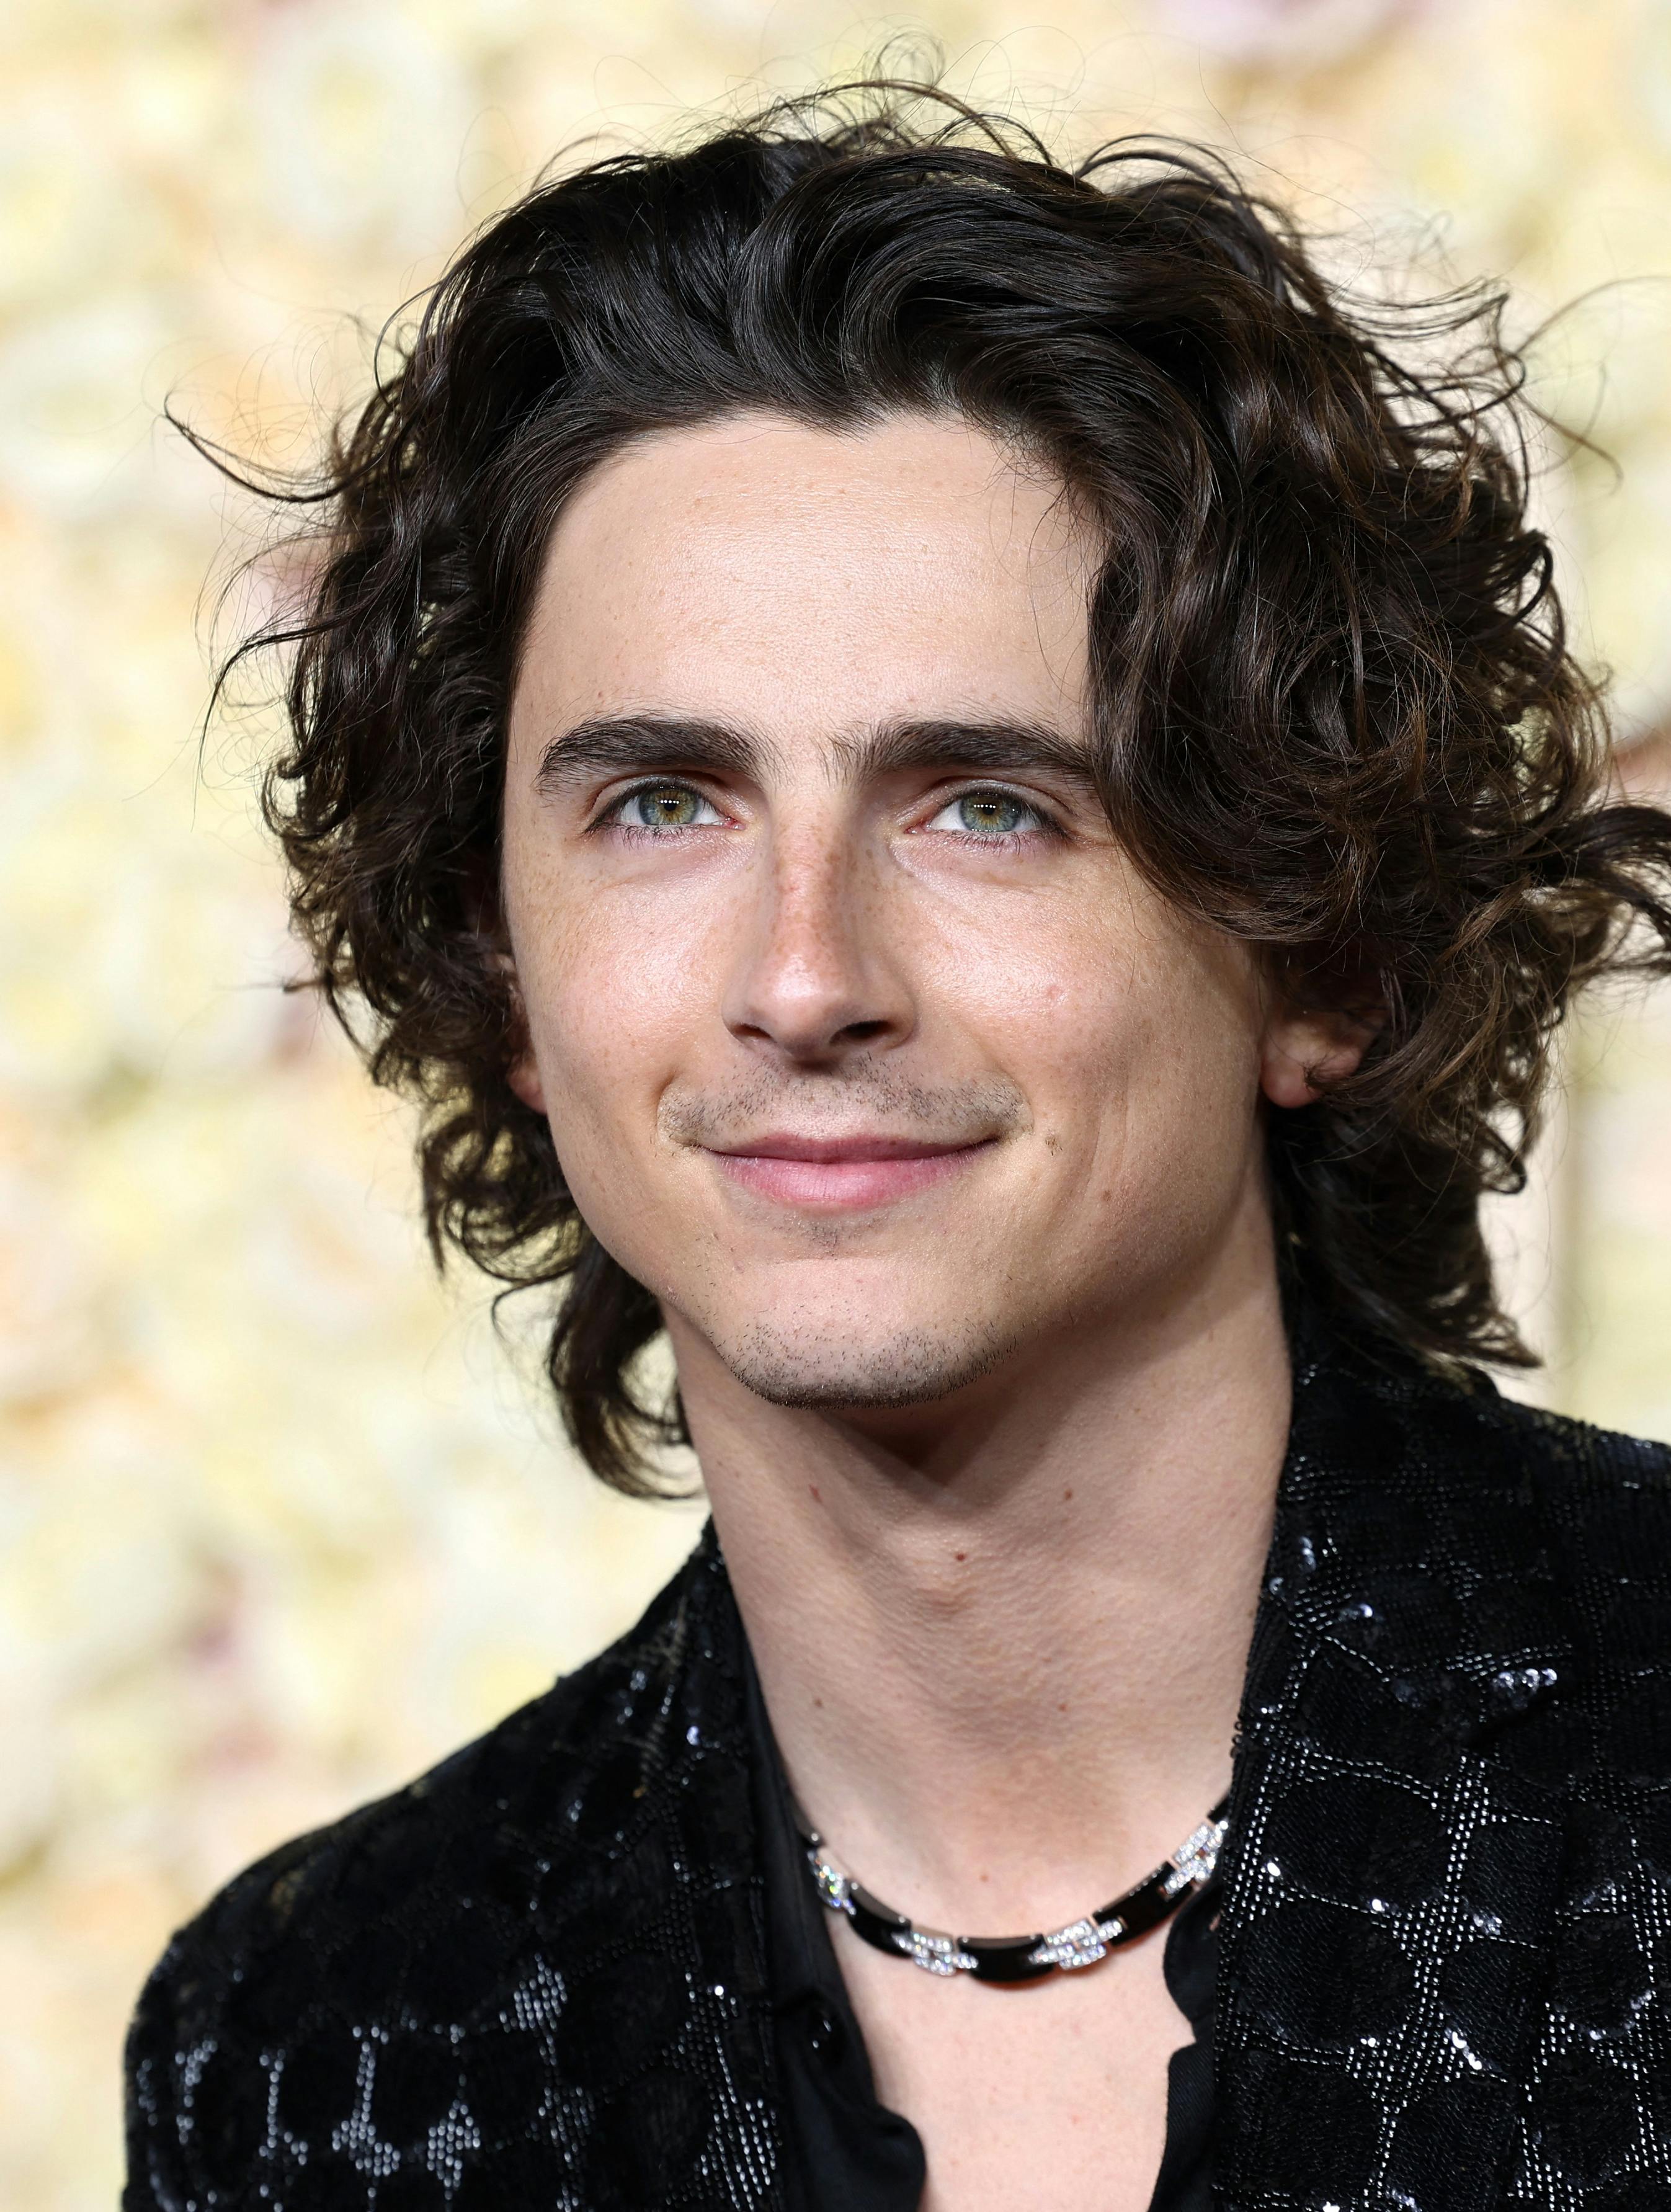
(1003,1649)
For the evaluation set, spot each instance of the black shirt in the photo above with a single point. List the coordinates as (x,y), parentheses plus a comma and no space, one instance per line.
(844,2151)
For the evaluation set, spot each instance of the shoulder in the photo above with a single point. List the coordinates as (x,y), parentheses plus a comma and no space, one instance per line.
(1585,1471)
(1561,1536)
(354,1977)
(570,1759)
(1603,1507)
(1505,1559)
(1486,1464)
(1599,1500)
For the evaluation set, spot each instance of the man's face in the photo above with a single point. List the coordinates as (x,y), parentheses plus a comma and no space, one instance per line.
(863,1045)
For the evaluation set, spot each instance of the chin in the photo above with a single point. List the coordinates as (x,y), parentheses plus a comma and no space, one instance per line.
(804,1364)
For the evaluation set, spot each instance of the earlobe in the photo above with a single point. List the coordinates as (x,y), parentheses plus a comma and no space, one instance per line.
(523,1079)
(524,1074)
(1304,1054)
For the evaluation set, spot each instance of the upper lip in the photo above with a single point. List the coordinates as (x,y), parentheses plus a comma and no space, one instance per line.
(785,1144)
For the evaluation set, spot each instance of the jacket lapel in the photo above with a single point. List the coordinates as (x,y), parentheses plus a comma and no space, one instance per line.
(1391,1877)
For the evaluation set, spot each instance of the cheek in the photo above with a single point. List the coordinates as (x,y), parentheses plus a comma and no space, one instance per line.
(605,1019)
(1142,1057)
(612,997)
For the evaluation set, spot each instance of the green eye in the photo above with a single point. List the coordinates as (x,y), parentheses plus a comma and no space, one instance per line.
(989,814)
(993,814)
(664,806)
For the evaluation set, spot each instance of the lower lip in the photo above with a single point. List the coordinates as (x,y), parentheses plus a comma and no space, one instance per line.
(843,1186)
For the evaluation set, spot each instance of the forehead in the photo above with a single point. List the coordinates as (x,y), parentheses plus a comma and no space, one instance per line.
(802,580)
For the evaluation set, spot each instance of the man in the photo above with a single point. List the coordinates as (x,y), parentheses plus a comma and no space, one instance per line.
(953,787)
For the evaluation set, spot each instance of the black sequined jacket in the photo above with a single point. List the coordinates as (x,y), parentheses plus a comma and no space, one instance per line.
(533,1978)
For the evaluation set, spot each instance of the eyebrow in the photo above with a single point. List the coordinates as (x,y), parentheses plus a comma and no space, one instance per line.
(621,745)
(991,746)
(652,743)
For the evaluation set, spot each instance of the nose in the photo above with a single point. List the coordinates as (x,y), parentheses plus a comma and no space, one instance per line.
(817,977)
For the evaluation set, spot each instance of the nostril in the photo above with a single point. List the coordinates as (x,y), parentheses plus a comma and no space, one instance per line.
(862,1032)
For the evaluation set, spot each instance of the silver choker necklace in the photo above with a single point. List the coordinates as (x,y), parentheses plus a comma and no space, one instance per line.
(1023,1958)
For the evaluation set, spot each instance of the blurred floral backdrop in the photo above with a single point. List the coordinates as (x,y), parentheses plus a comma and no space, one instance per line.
(280,1525)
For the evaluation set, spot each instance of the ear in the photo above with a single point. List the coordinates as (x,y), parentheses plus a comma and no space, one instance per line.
(487,914)
(523,1074)
(1306,1050)
(523,1079)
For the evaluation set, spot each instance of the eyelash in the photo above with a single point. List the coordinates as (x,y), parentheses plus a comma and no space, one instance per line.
(611,817)
(1042,823)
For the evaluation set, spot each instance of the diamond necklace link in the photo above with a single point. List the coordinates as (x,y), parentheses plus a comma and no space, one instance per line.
(1023,1958)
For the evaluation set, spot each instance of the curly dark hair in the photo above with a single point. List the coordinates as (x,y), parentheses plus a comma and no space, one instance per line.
(1336,713)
